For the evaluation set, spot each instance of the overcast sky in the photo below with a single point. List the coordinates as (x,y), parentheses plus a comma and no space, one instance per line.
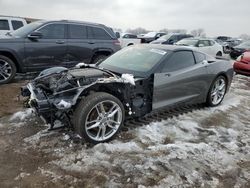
(217,17)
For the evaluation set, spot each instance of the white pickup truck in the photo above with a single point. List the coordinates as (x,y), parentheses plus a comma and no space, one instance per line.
(9,24)
(127,39)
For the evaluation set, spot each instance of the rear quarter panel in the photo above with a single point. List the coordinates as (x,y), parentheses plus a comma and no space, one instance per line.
(221,67)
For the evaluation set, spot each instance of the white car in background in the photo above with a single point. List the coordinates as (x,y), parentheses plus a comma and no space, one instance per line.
(128,39)
(9,24)
(208,46)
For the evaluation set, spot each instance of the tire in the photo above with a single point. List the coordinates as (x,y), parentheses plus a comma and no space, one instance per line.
(219,54)
(7,70)
(214,91)
(98,59)
(91,126)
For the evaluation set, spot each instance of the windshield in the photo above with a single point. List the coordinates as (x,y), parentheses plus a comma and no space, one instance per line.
(150,34)
(165,37)
(25,30)
(244,45)
(187,42)
(134,60)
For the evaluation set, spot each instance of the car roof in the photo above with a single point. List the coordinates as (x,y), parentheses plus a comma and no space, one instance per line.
(72,21)
(165,47)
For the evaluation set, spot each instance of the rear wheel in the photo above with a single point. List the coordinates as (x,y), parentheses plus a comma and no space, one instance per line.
(7,70)
(219,54)
(98,59)
(99,117)
(217,91)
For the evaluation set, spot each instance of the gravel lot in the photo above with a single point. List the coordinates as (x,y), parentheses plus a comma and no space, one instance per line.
(204,148)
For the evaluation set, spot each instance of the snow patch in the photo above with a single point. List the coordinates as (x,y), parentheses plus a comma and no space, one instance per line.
(129,78)
(64,104)
(23,115)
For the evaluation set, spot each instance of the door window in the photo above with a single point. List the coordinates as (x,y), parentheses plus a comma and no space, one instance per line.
(16,24)
(199,57)
(4,25)
(179,60)
(53,31)
(98,33)
(77,31)
(212,43)
(205,43)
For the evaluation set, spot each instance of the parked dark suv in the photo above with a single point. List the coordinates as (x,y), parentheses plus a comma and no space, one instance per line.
(45,44)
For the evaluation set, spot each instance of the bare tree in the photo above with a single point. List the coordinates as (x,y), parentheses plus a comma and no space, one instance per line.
(245,36)
(164,30)
(117,30)
(198,32)
(137,31)
(182,31)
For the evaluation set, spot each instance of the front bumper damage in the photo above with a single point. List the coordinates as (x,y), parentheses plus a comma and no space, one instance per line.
(60,106)
(48,109)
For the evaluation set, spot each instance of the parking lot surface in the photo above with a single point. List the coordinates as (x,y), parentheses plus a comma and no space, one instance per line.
(204,148)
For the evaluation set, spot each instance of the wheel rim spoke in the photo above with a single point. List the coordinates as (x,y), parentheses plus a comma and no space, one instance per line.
(112,113)
(93,126)
(103,132)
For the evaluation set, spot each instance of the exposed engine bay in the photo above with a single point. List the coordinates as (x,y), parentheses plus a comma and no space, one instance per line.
(56,92)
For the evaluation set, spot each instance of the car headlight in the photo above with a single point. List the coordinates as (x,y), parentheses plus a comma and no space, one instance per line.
(239,58)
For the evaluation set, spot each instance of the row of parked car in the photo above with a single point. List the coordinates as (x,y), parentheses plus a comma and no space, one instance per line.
(43,44)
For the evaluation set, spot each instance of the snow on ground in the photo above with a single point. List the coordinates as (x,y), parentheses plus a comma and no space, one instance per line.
(204,148)
(23,115)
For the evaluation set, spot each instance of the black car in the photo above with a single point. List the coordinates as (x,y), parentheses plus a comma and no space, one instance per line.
(151,36)
(171,38)
(240,49)
(221,39)
(45,44)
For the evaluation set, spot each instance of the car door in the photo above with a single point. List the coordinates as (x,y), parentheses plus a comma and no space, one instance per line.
(49,50)
(204,46)
(181,79)
(80,48)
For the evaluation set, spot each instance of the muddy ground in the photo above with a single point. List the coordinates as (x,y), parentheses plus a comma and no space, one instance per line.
(209,147)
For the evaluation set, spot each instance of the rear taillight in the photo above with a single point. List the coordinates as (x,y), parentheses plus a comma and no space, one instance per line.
(117,42)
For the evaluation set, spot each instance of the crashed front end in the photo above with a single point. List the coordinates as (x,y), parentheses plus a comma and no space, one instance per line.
(55,93)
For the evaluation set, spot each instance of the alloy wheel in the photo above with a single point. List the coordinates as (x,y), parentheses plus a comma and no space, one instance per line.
(103,120)
(218,91)
(5,70)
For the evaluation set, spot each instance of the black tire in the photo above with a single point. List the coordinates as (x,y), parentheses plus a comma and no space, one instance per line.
(219,54)
(85,107)
(209,97)
(12,68)
(98,59)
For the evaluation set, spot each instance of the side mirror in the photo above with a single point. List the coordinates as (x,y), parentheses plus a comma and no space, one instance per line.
(35,35)
(201,45)
(117,34)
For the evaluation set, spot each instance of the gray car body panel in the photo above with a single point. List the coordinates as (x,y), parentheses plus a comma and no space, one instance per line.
(188,85)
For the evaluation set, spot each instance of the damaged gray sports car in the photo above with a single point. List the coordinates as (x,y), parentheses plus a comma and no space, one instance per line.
(96,99)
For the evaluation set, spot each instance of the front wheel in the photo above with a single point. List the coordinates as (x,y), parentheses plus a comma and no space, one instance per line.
(7,70)
(99,117)
(217,91)
(219,54)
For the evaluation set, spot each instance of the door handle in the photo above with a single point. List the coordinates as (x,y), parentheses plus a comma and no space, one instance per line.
(60,42)
(91,43)
(167,74)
